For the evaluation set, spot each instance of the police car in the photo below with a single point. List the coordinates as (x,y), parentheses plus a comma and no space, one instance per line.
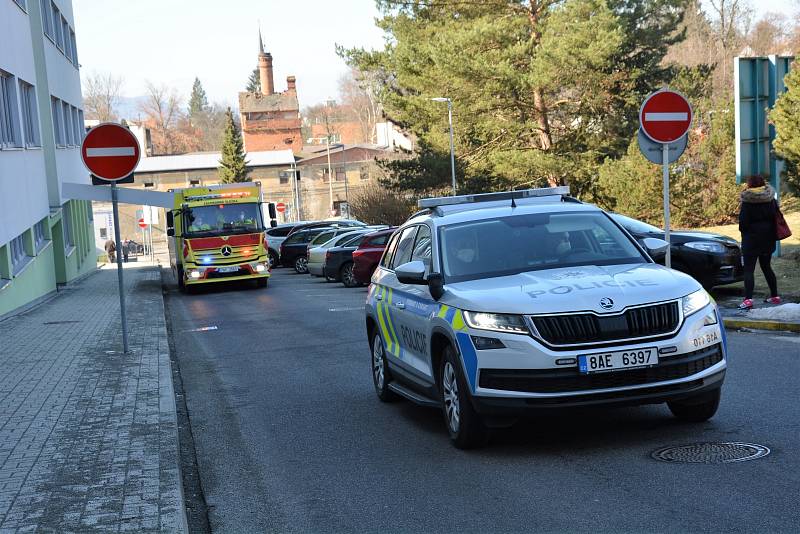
(495,305)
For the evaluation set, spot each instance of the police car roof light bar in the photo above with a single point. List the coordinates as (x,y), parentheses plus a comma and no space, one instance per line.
(491,197)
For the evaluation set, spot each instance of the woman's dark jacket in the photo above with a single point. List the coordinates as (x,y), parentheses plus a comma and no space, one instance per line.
(757,221)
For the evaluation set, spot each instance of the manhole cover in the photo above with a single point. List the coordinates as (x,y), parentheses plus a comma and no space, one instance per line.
(711,453)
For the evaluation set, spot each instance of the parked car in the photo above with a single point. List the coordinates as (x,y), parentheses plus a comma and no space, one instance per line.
(338,223)
(368,254)
(711,259)
(294,248)
(320,245)
(339,262)
(276,236)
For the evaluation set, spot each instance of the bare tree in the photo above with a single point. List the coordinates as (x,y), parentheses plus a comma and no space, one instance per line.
(162,111)
(770,35)
(730,21)
(101,94)
(359,94)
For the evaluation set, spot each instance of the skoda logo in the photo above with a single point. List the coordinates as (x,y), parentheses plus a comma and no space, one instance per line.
(226,250)
(606,303)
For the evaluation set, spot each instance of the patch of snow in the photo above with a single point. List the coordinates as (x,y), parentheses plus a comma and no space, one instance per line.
(782,312)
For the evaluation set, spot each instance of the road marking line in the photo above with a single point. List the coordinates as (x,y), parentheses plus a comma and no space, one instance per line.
(345,309)
(202,329)
(666,117)
(110,151)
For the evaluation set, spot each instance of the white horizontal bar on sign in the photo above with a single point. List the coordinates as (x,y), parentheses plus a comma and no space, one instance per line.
(110,151)
(666,117)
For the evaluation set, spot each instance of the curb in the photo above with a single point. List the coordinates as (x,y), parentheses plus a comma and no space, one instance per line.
(757,324)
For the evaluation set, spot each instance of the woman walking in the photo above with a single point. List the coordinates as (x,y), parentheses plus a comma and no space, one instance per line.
(757,225)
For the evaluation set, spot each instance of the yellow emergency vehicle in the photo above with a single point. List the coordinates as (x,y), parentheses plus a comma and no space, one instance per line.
(216,234)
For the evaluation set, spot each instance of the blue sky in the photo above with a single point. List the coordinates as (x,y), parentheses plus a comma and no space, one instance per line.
(172,41)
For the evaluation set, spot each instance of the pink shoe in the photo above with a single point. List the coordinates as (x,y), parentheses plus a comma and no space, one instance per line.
(773,300)
(746,304)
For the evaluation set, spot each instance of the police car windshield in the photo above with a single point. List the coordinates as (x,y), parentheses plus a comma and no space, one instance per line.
(223,219)
(520,243)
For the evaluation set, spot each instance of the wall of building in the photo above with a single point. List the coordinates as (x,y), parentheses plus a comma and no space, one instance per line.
(32,208)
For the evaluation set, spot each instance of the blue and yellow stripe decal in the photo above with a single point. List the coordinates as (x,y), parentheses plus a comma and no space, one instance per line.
(455,318)
(385,322)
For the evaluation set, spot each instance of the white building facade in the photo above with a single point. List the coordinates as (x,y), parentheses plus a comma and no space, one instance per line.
(45,239)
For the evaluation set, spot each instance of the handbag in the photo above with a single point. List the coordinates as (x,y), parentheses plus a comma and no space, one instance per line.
(782,230)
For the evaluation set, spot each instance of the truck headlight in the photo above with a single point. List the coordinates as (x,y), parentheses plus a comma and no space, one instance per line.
(706,246)
(194,275)
(695,301)
(260,268)
(497,322)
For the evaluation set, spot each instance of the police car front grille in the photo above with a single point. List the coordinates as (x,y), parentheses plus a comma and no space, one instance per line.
(645,321)
(567,380)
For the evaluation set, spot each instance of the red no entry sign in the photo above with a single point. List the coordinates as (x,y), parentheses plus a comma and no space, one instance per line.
(110,151)
(142,224)
(665,116)
(281,207)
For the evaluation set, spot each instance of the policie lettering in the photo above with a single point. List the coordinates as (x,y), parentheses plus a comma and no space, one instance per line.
(563,290)
(415,341)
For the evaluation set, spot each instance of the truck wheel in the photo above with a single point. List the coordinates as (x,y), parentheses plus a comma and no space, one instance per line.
(463,423)
(301,265)
(347,276)
(696,409)
(181,285)
(380,370)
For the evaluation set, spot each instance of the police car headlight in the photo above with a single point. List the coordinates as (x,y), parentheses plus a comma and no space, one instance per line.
(513,324)
(695,301)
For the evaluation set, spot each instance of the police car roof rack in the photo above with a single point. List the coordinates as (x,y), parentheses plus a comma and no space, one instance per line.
(433,203)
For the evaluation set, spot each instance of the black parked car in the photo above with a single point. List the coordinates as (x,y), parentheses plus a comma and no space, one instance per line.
(339,262)
(293,249)
(711,259)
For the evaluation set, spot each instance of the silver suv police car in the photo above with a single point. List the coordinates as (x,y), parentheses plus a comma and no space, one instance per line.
(491,306)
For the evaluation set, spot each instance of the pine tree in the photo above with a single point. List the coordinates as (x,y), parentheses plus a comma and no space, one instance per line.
(254,82)
(233,166)
(198,102)
(786,117)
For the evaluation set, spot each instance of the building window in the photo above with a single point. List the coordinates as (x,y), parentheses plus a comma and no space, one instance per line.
(58,121)
(66,225)
(39,234)
(67,43)
(67,124)
(81,125)
(340,174)
(283,177)
(30,117)
(21,3)
(103,233)
(58,31)
(76,126)
(17,248)
(363,172)
(73,46)
(325,175)
(47,18)
(9,117)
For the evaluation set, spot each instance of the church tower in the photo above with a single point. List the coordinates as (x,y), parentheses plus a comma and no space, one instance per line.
(270,120)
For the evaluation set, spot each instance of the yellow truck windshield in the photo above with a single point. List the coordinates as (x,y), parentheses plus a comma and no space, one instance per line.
(223,218)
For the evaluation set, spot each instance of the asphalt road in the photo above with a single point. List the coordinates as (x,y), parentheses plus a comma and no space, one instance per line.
(289,436)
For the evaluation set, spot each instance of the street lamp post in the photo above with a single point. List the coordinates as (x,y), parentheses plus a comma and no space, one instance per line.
(452,149)
(346,195)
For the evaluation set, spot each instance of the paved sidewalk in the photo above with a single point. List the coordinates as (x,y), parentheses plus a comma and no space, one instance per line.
(88,435)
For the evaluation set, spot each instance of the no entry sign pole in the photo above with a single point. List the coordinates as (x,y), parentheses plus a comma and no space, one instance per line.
(111,152)
(665,167)
(120,282)
(665,118)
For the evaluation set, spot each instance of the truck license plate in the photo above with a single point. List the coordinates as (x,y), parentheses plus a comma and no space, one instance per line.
(229,269)
(617,360)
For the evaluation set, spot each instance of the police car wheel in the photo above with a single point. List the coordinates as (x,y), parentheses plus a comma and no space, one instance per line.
(380,370)
(696,409)
(301,265)
(463,423)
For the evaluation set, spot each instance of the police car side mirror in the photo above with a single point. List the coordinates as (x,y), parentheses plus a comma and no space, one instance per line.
(436,285)
(412,272)
(657,248)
